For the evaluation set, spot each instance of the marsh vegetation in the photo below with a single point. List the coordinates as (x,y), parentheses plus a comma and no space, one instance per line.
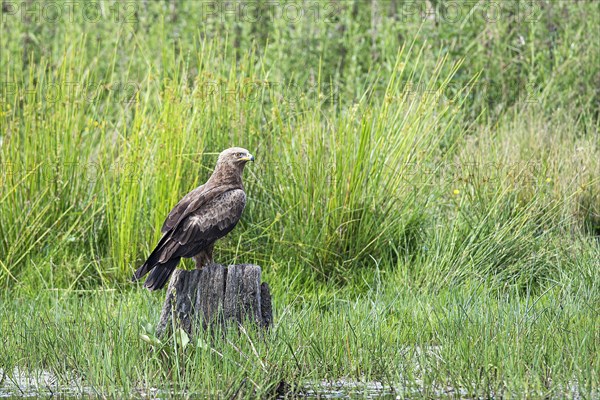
(425,201)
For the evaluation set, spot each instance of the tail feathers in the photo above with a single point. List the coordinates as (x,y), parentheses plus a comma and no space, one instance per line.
(140,272)
(160,274)
(152,260)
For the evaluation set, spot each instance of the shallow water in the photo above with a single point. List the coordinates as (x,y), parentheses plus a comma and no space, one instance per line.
(38,384)
(343,389)
(43,384)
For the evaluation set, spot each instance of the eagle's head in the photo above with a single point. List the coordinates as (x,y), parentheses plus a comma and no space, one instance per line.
(235,156)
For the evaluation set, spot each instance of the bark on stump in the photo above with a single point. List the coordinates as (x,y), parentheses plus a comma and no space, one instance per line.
(215,295)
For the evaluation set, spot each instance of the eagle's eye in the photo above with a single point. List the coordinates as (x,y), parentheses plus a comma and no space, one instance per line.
(240,155)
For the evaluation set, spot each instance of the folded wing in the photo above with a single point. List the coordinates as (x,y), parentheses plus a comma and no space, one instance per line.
(191,227)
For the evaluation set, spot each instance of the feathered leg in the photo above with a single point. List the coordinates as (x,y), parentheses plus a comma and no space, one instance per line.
(205,257)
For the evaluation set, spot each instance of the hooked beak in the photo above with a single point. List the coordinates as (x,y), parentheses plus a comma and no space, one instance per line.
(249,157)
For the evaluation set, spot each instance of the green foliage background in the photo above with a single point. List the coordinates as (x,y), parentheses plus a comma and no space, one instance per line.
(364,117)
(425,202)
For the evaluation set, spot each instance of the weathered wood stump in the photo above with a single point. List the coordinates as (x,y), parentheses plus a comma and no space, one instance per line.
(215,295)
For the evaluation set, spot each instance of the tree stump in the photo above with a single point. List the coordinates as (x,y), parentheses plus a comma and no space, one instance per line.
(215,295)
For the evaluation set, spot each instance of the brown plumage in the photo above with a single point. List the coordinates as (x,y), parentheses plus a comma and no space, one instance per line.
(201,217)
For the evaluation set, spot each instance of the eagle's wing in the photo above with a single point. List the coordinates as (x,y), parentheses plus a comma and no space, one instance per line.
(205,225)
(195,224)
(207,222)
(178,211)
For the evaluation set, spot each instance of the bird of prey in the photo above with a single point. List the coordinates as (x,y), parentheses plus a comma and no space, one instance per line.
(201,217)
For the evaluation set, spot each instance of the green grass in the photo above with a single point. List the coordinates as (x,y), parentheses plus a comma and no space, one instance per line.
(485,344)
(421,183)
